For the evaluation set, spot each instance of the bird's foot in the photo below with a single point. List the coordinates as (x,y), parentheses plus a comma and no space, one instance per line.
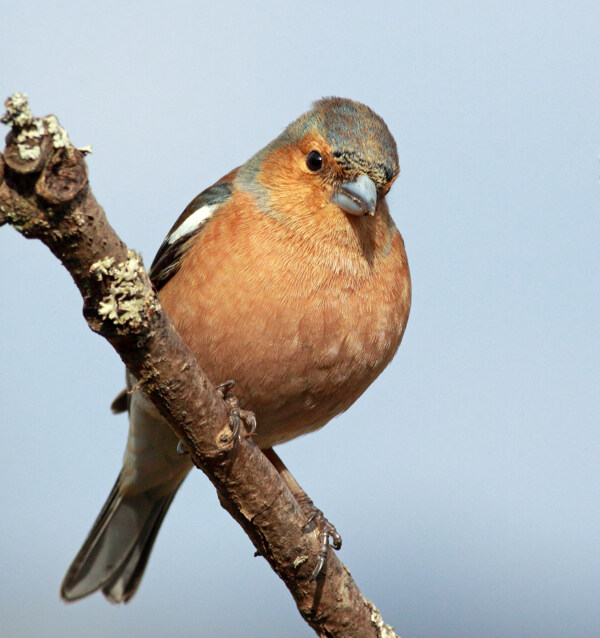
(326,531)
(237,416)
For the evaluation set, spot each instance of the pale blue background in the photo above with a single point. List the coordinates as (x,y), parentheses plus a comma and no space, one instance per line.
(465,482)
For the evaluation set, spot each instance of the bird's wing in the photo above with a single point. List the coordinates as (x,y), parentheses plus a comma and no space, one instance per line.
(186,229)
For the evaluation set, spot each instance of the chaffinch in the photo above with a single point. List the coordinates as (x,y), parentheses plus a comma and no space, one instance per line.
(289,276)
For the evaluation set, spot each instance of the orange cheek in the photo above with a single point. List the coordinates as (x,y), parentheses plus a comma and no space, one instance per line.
(294,190)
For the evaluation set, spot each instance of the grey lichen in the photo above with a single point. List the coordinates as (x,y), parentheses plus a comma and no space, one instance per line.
(18,114)
(127,301)
(383,630)
(100,268)
(60,139)
(29,130)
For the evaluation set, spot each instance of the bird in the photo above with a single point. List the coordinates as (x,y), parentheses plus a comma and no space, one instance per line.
(287,276)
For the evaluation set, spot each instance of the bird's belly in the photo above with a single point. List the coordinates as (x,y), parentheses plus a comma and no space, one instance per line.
(304,363)
(302,327)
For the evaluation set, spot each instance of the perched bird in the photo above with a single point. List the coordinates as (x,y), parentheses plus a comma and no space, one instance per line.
(288,276)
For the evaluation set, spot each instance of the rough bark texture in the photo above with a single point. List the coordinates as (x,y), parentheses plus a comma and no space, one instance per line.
(44,194)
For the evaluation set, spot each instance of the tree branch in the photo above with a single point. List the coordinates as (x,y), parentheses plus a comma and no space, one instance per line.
(44,194)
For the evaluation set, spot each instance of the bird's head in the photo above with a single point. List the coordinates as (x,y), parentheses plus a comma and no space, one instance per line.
(338,156)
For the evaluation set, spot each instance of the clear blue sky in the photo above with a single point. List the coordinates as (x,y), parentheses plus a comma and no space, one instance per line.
(466,481)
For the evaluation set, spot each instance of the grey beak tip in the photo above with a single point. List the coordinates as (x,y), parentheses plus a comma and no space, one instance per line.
(358,197)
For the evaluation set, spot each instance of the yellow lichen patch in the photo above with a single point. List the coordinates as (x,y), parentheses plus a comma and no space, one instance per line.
(383,630)
(18,112)
(299,560)
(127,301)
(60,139)
(29,130)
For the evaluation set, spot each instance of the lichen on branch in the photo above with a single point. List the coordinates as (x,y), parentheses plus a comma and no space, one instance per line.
(29,131)
(127,301)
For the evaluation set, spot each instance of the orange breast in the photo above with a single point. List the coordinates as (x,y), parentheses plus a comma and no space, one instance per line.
(302,319)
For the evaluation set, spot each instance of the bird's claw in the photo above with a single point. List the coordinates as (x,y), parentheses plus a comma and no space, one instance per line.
(236,417)
(326,531)
(236,414)
(224,388)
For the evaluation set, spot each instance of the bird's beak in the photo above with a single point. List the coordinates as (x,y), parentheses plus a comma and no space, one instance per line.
(358,197)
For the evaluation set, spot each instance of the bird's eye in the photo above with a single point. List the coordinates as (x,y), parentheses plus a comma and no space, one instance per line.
(314,161)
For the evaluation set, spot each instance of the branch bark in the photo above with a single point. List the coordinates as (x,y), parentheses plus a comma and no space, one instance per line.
(44,194)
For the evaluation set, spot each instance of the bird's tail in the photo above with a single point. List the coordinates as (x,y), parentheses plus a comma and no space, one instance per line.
(116,551)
